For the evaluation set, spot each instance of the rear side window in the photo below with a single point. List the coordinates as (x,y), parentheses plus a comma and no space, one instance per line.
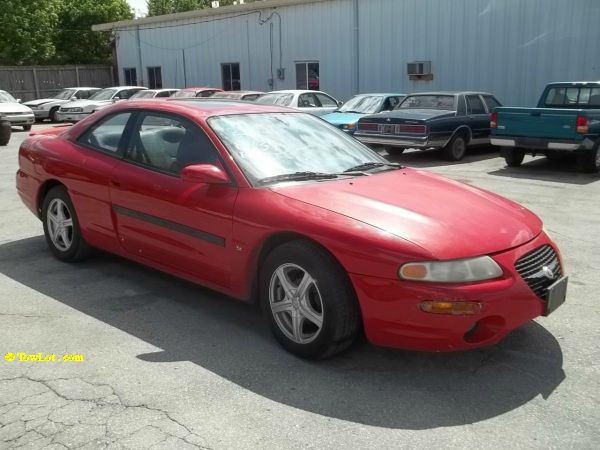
(106,136)
(572,96)
(325,100)
(491,102)
(475,104)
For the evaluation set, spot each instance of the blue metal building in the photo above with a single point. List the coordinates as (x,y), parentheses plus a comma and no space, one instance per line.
(508,47)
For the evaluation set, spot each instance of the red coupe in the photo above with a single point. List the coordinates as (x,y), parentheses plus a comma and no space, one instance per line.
(273,205)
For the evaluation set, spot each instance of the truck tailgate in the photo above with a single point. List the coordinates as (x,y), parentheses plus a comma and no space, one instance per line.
(537,122)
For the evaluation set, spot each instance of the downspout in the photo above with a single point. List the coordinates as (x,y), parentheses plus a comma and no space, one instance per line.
(356,49)
(139,54)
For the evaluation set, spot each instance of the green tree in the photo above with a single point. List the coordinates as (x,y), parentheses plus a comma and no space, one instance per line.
(75,41)
(160,7)
(28,31)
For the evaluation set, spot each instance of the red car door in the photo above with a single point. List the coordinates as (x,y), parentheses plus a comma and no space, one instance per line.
(161,218)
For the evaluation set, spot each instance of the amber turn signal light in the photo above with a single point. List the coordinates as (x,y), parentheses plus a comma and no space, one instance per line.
(452,308)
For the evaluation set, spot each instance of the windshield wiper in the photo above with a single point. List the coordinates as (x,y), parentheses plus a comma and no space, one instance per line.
(372,165)
(298,176)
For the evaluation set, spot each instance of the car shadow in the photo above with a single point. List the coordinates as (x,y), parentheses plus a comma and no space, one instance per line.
(433,158)
(366,385)
(541,168)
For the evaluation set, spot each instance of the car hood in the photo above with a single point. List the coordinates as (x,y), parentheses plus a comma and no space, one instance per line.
(86,103)
(448,219)
(43,101)
(8,108)
(340,118)
(414,114)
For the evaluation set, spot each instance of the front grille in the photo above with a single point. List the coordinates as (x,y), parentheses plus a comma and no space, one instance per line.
(540,268)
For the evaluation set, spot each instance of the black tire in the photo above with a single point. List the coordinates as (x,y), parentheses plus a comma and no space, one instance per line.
(456,149)
(78,249)
(340,312)
(394,151)
(52,114)
(555,156)
(27,127)
(589,161)
(513,156)
(5,132)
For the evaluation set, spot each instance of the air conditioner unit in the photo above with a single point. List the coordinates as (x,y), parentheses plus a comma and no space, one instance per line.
(419,68)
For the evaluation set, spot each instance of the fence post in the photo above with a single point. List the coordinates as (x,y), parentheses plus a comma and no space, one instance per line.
(77,76)
(35,83)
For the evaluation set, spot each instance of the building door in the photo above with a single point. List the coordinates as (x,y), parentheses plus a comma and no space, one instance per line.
(307,75)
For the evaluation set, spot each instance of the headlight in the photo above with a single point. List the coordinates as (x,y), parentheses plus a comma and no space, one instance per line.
(456,271)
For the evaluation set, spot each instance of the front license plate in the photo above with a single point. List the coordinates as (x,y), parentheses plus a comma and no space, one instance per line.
(557,294)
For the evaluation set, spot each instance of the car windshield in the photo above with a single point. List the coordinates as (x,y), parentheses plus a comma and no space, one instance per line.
(65,94)
(273,144)
(104,94)
(281,99)
(445,102)
(184,94)
(144,94)
(364,104)
(5,97)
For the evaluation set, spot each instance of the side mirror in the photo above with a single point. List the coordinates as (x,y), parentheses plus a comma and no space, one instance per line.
(204,173)
(340,104)
(116,98)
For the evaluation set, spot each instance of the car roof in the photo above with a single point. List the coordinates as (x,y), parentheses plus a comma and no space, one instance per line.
(294,91)
(451,93)
(84,88)
(573,83)
(389,94)
(202,88)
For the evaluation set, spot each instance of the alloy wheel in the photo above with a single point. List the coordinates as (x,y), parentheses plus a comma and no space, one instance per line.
(60,224)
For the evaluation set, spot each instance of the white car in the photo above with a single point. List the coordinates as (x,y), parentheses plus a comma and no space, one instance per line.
(314,102)
(46,108)
(154,93)
(80,109)
(17,114)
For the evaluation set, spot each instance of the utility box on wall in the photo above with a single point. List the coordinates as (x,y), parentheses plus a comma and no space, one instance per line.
(419,70)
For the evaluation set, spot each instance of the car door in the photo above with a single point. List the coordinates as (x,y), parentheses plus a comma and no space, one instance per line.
(479,119)
(160,218)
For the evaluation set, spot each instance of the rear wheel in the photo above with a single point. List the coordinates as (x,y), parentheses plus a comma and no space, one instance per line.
(456,148)
(52,115)
(308,300)
(589,161)
(5,132)
(513,156)
(61,227)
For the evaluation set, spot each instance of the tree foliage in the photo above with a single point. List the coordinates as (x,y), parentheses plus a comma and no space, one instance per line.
(57,31)
(160,7)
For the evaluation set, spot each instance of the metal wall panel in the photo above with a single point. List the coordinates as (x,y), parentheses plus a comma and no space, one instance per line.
(509,47)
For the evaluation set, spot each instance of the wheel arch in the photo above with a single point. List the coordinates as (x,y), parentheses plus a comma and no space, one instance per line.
(464,130)
(42,191)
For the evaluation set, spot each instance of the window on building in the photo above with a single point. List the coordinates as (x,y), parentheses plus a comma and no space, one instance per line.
(130,76)
(307,75)
(154,77)
(230,72)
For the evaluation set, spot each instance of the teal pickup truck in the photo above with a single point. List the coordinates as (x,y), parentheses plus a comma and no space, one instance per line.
(566,121)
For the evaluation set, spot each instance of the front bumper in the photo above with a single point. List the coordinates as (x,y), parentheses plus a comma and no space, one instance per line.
(392,316)
(19,119)
(393,141)
(65,116)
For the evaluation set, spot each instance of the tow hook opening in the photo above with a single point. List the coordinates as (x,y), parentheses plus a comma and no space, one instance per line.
(484,329)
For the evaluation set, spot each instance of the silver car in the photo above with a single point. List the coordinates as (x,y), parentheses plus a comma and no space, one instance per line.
(314,102)
(46,108)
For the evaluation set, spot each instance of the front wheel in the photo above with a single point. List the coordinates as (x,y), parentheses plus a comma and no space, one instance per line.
(308,300)
(53,115)
(394,151)
(27,127)
(5,132)
(61,226)
(513,156)
(456,148)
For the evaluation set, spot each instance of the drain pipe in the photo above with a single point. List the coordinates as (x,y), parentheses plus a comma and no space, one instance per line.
(356,49)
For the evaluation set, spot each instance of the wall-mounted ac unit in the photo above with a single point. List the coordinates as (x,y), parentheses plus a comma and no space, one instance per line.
(419,70)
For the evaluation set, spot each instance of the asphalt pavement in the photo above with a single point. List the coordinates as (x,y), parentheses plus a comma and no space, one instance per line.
(167,364)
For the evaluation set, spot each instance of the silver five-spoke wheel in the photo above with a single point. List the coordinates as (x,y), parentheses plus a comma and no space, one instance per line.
(296,303)
(60,224)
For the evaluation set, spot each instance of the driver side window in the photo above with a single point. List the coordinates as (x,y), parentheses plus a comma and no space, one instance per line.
(107,135)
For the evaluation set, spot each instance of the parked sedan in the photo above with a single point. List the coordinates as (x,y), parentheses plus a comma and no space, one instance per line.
(80,109)
(313,102)
(248,96)
(449,121)
(46,108)
(17,114)
(346,116)
(196,92)
(270,205)
(154,93)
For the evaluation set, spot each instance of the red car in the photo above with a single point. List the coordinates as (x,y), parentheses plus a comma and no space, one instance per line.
(273,205)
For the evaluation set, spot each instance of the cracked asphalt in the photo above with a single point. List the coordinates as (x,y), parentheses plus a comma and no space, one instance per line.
(170,365)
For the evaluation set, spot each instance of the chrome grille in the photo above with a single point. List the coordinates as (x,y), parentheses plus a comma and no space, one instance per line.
(539,268)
